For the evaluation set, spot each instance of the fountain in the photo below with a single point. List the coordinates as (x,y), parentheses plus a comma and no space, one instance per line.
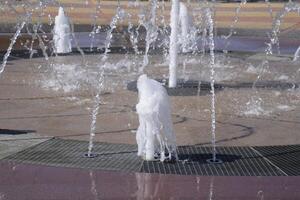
(62,33)
(155,137)
(157,141)
(209,18)
(173,51)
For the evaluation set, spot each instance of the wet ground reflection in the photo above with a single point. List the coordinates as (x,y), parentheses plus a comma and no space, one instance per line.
(43,182)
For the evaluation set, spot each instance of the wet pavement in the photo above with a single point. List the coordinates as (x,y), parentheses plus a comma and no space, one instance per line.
(28,182)
(56,99)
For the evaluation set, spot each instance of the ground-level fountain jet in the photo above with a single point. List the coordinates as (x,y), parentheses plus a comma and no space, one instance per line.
(210,24)
(173,50)
(62,33)
(94,114)
(155,137)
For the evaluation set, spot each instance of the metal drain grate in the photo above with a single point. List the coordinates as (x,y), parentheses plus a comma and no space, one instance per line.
(70,153)
(237,161)
(287,158)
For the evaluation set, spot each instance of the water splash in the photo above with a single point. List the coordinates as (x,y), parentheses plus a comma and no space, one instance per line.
(38,33)
(96,28)
(297,54)
(151,31)
(36,36)
(66,77)
(184,24)
(187,38)
(12,43)
(133,35)
(235,20)
(270,10)
(275,32)
(164,30)
(120,14)
(254,107)
(263,68)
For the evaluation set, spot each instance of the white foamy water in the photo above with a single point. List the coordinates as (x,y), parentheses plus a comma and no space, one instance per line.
(155,134)
(254,107)
(62,33)
(285,107)
(192,61)
(72,77)
(254,110)
(283,78)
(65,77)
(251,69)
